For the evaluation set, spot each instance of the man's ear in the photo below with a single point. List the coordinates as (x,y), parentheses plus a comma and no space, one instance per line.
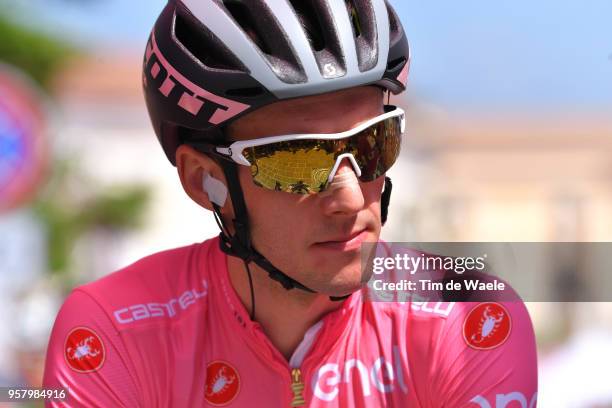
(196,170)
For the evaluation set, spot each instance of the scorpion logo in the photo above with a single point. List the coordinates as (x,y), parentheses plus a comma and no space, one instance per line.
(489,323)
(220,382)
(82,350)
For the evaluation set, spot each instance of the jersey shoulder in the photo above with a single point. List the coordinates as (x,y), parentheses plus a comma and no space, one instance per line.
(479,353)
(157,287)
(107,332)
(462,354)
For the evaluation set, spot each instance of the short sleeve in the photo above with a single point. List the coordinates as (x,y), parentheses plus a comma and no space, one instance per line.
(486,357)
(86,355)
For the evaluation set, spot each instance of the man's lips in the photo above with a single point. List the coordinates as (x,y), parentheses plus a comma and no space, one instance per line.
(346,242)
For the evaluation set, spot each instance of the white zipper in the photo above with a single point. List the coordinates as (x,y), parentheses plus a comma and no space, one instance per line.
(297,383)
(302,349)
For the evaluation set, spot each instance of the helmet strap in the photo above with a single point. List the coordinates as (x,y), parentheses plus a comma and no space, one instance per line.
(385,199)
(239,244)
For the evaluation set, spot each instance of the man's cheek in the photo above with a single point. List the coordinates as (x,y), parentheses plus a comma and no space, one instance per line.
(373,191)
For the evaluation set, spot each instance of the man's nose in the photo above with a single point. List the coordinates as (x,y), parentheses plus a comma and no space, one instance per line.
(343,195)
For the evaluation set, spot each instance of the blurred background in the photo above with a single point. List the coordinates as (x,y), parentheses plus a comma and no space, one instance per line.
(509,138)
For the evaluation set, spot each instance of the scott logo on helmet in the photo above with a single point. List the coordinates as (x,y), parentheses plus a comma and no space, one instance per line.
(190,97)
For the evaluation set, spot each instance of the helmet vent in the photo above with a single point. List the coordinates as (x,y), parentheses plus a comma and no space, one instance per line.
(318,24)
(363,19)
(264,30)
(354,18)
(310,23)
(203,44)
(243,17)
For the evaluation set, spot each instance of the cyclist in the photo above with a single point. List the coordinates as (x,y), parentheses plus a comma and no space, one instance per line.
(273,113)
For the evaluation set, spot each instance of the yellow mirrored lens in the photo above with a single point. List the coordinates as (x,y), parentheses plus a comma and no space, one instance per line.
(302,170)
(303,166)
(377,148)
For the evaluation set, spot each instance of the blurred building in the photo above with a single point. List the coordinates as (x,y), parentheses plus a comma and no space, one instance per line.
(104,125)
(528,178)
(510,178)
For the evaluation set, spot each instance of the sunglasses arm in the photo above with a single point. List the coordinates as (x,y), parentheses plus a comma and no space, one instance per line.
(212,150)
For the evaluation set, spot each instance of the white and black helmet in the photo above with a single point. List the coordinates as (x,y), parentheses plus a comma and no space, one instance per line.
(208,62)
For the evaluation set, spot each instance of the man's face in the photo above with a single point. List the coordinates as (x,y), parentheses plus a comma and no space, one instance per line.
(314,238)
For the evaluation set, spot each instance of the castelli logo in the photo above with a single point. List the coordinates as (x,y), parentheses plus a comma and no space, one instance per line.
(487,326)
(222,383)
(83,350)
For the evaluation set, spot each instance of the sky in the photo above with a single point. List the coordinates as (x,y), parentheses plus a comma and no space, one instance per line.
(466,55)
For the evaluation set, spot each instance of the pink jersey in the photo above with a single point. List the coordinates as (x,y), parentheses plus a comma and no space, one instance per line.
(170,331)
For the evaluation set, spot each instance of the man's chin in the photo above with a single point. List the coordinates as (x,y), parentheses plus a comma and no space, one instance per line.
(343,284)
(340,292)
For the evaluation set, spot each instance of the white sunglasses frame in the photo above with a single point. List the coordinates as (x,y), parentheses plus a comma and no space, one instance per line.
(234,151)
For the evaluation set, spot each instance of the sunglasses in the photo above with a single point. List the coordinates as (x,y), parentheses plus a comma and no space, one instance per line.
(307,163)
